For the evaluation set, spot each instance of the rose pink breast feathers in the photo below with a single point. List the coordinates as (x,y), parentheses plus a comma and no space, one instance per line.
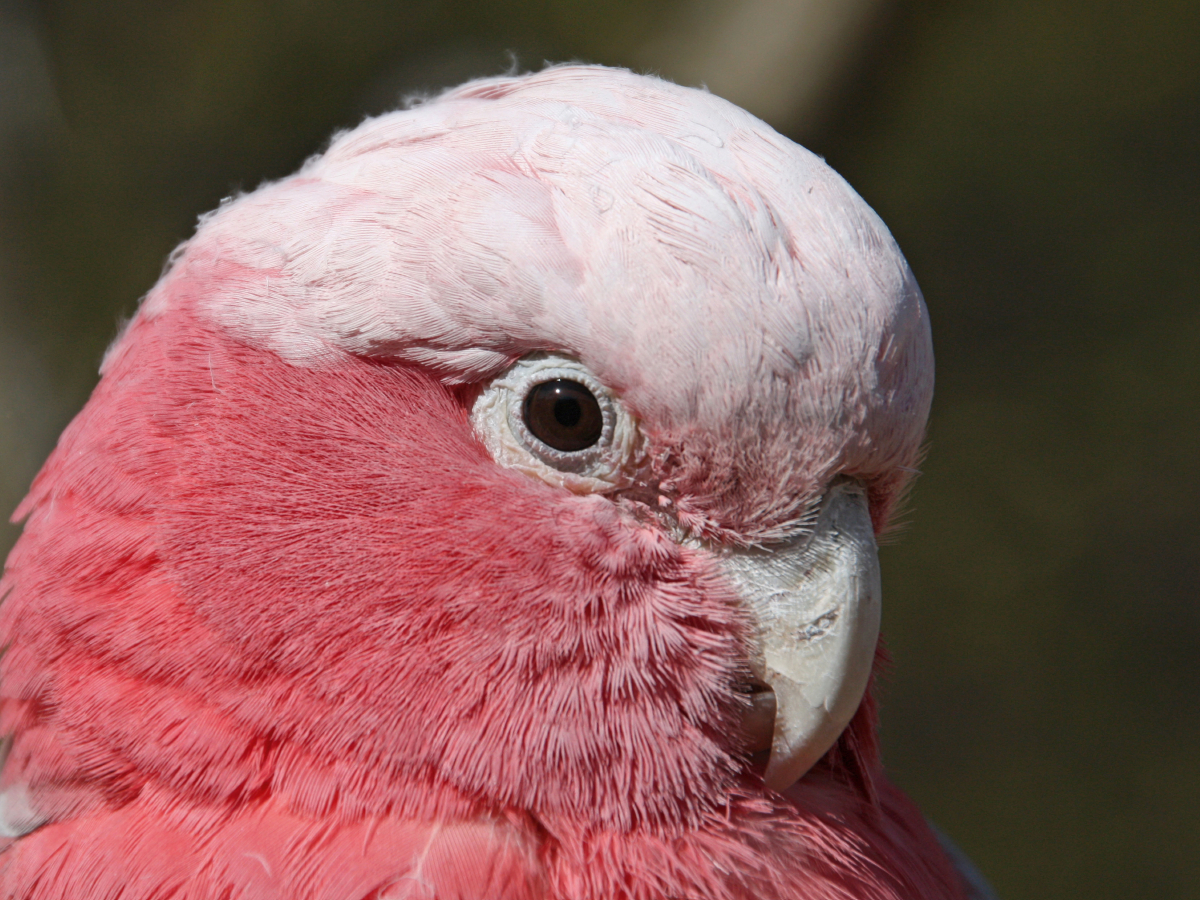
(485,512)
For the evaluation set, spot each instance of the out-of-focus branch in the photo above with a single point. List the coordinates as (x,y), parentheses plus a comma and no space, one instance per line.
(780,59)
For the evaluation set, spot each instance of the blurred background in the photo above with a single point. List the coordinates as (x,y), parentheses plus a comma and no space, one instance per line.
(1039,162)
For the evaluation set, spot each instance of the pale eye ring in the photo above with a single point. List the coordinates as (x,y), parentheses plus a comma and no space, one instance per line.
(551,417)
(543,388)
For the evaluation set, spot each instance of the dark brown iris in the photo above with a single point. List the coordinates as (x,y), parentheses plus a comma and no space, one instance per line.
(564,415)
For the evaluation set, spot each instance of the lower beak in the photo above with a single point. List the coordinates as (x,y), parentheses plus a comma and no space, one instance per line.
(816,606)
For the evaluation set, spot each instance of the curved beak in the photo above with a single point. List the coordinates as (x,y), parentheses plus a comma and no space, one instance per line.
(816,604)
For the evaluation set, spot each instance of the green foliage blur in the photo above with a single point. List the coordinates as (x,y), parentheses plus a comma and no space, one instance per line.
(1039,162)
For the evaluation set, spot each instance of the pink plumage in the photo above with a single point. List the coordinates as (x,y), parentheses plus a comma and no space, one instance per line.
(280,624)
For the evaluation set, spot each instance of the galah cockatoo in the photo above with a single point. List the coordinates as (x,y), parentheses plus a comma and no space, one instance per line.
(485,512)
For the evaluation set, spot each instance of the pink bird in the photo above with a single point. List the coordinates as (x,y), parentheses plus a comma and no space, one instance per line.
(485,512)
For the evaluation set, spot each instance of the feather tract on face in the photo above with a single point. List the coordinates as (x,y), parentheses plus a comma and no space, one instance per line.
(487,510)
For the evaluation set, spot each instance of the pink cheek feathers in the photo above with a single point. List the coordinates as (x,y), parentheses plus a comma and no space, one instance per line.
(336,594)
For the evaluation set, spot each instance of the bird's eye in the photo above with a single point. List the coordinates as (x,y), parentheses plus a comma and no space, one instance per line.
(564,415)
(552,418)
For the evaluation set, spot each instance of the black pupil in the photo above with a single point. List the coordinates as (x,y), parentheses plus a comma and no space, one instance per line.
(564,415)
(567,412)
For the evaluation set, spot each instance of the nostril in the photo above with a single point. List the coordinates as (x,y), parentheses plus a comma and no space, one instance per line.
(817,628)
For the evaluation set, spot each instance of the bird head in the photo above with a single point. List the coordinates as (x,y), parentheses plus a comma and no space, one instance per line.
(525,450)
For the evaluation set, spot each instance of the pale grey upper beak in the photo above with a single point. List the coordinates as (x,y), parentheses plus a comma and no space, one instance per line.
(816,605)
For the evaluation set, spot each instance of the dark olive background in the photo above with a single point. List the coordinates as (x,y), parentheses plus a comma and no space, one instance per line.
(1039,162)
